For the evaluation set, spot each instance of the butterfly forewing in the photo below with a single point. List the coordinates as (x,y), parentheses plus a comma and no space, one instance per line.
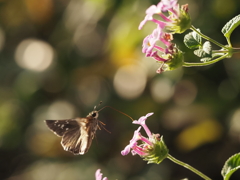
(59,127)
(77,134)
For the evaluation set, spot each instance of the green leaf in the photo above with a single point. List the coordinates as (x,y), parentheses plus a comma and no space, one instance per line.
(230,166)
(207,48)
(197,36)
(204,52)
(230,26)
(199,52)
(192,40)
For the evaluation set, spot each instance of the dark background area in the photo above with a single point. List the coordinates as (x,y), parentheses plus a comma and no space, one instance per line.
(59,58)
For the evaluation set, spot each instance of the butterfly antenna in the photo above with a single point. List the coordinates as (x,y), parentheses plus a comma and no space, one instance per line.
(95,107)
(117,111)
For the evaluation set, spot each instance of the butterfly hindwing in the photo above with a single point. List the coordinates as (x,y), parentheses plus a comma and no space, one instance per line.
(70,141)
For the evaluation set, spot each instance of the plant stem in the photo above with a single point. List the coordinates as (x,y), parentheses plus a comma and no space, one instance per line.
(236,50)
(188,167)
(187,64)
(229,42)
(220,51)
(208,38)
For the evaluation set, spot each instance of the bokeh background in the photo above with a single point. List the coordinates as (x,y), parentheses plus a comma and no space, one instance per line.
(59,58)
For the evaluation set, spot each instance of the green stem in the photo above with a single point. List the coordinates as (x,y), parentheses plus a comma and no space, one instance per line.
(187,64)
(208,38)
(220,51)
(229,42)
(188,167)
(236,50)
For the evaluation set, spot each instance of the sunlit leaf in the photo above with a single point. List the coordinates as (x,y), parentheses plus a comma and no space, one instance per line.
(204,52)
(230,166)
(230,26)
(207,48)
(192,40)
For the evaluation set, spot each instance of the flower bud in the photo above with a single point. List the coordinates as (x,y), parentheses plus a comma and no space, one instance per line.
(174,58)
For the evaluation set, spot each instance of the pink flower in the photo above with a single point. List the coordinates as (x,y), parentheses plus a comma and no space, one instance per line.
(141,121)
(168,4)
(149,17)
(133,145)
(163,6)
(133,142)
(98,175)
(169,56)
(149,44)
(156,56)
(151,149)
(150,41)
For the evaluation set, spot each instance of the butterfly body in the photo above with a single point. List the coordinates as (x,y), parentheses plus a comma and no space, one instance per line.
(77,134)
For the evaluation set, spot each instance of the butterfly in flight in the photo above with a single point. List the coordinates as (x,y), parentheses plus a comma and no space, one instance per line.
(77,134)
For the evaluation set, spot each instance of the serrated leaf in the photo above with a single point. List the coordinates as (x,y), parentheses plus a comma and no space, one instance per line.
(205,52)
(207,48)
(230,166)
(230,26)
(192,40)
(197,36)
(198,52)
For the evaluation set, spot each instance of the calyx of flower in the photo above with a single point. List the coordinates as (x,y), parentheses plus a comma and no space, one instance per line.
(158,151)
(179,23)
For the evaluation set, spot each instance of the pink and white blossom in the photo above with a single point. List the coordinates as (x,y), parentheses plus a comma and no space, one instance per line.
(133,146)
(141,121)
(172,19)
(151,148)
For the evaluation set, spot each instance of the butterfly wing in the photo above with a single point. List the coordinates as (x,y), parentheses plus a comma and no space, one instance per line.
(70,141)
(77,134)
(60,127)
(88,127)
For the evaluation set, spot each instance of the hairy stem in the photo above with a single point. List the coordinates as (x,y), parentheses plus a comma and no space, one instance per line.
(187,64)
(188,167)
(208,38)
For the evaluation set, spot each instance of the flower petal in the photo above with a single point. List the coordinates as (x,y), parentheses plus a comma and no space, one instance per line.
(98,175)
(152,10)
(168,4)
(142,119)
(149,114)
(133,142)
(126,150)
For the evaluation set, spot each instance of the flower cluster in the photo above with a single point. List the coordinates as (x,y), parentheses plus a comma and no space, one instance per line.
(178,21)
(152,149)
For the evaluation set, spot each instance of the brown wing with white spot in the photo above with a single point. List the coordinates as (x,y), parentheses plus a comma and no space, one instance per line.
(60,127)
(77,134)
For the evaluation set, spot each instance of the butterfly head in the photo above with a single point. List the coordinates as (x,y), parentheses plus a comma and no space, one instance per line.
(93,114)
